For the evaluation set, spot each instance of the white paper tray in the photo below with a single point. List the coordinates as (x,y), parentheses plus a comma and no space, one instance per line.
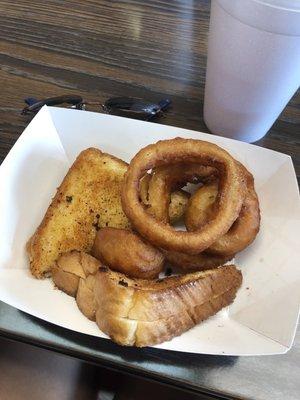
(263,318)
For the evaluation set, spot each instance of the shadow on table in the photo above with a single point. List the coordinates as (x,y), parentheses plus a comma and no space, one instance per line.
(105,351)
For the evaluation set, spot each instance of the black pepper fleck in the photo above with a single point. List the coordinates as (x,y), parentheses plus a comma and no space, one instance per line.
(96,226)
(123,283)
(69,199)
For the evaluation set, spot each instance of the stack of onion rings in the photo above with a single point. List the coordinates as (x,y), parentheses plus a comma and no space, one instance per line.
(201,208)
(244,229)
(222,217)
(168,178)
(232,190)
(177,201)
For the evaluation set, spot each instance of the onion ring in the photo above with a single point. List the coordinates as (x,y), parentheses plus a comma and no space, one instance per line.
(243,231)
(195,262)
(201,206)
(178,200)
(173,151)
(165,179)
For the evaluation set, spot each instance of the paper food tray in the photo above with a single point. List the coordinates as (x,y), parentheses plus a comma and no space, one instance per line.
(263,318)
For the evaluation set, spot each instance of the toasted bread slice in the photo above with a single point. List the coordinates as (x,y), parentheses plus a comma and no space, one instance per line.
(72,267)
(142,313)
(87,199)
(74,273)
(139,312)
(85,297)
(130,332)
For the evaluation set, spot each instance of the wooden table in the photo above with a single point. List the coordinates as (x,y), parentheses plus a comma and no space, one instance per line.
(148,49)
(98,49)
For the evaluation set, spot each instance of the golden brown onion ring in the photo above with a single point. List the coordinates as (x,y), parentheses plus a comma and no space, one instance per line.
(178,200)
(165,179)
(178,205)
(195,262)
(162,182)
(230,197)
(244,229)
(143,188)
(201,206)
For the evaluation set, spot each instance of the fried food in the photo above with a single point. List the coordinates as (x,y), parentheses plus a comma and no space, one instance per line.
(126,252)
(201,207)
(167,178)
(143,188)
(143,313)
(74,273)
(162,182)
(87,199)
(177,203)
(230,197)
(241,234)
(97,208)
(195,262)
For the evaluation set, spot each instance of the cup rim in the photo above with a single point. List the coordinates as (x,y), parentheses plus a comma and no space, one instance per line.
(286,5)
(264,15)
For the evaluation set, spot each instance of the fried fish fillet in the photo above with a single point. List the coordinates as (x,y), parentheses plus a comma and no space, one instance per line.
(142,313)
(87,199)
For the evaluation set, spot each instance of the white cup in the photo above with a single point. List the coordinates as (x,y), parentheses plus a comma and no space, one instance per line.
(253,66)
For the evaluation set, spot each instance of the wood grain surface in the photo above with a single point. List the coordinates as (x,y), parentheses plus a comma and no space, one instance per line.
(102,48)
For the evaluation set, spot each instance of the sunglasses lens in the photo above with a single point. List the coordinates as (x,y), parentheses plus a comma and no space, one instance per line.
(30,101)
(34,105)
(142,115)
(123,106)
(132,108)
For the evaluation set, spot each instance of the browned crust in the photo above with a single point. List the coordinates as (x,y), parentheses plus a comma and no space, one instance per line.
(143,313)
(166,179)
(177,202)
(70,268)
(126,252)
(85,297)
(231,193)
(195,262)
(242,233)
(65,281)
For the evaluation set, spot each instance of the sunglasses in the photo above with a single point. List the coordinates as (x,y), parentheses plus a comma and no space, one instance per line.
(122,106)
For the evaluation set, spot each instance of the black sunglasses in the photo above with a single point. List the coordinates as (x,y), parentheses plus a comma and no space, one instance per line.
(123,106)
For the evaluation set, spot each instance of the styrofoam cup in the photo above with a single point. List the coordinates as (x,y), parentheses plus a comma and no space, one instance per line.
(253,66)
